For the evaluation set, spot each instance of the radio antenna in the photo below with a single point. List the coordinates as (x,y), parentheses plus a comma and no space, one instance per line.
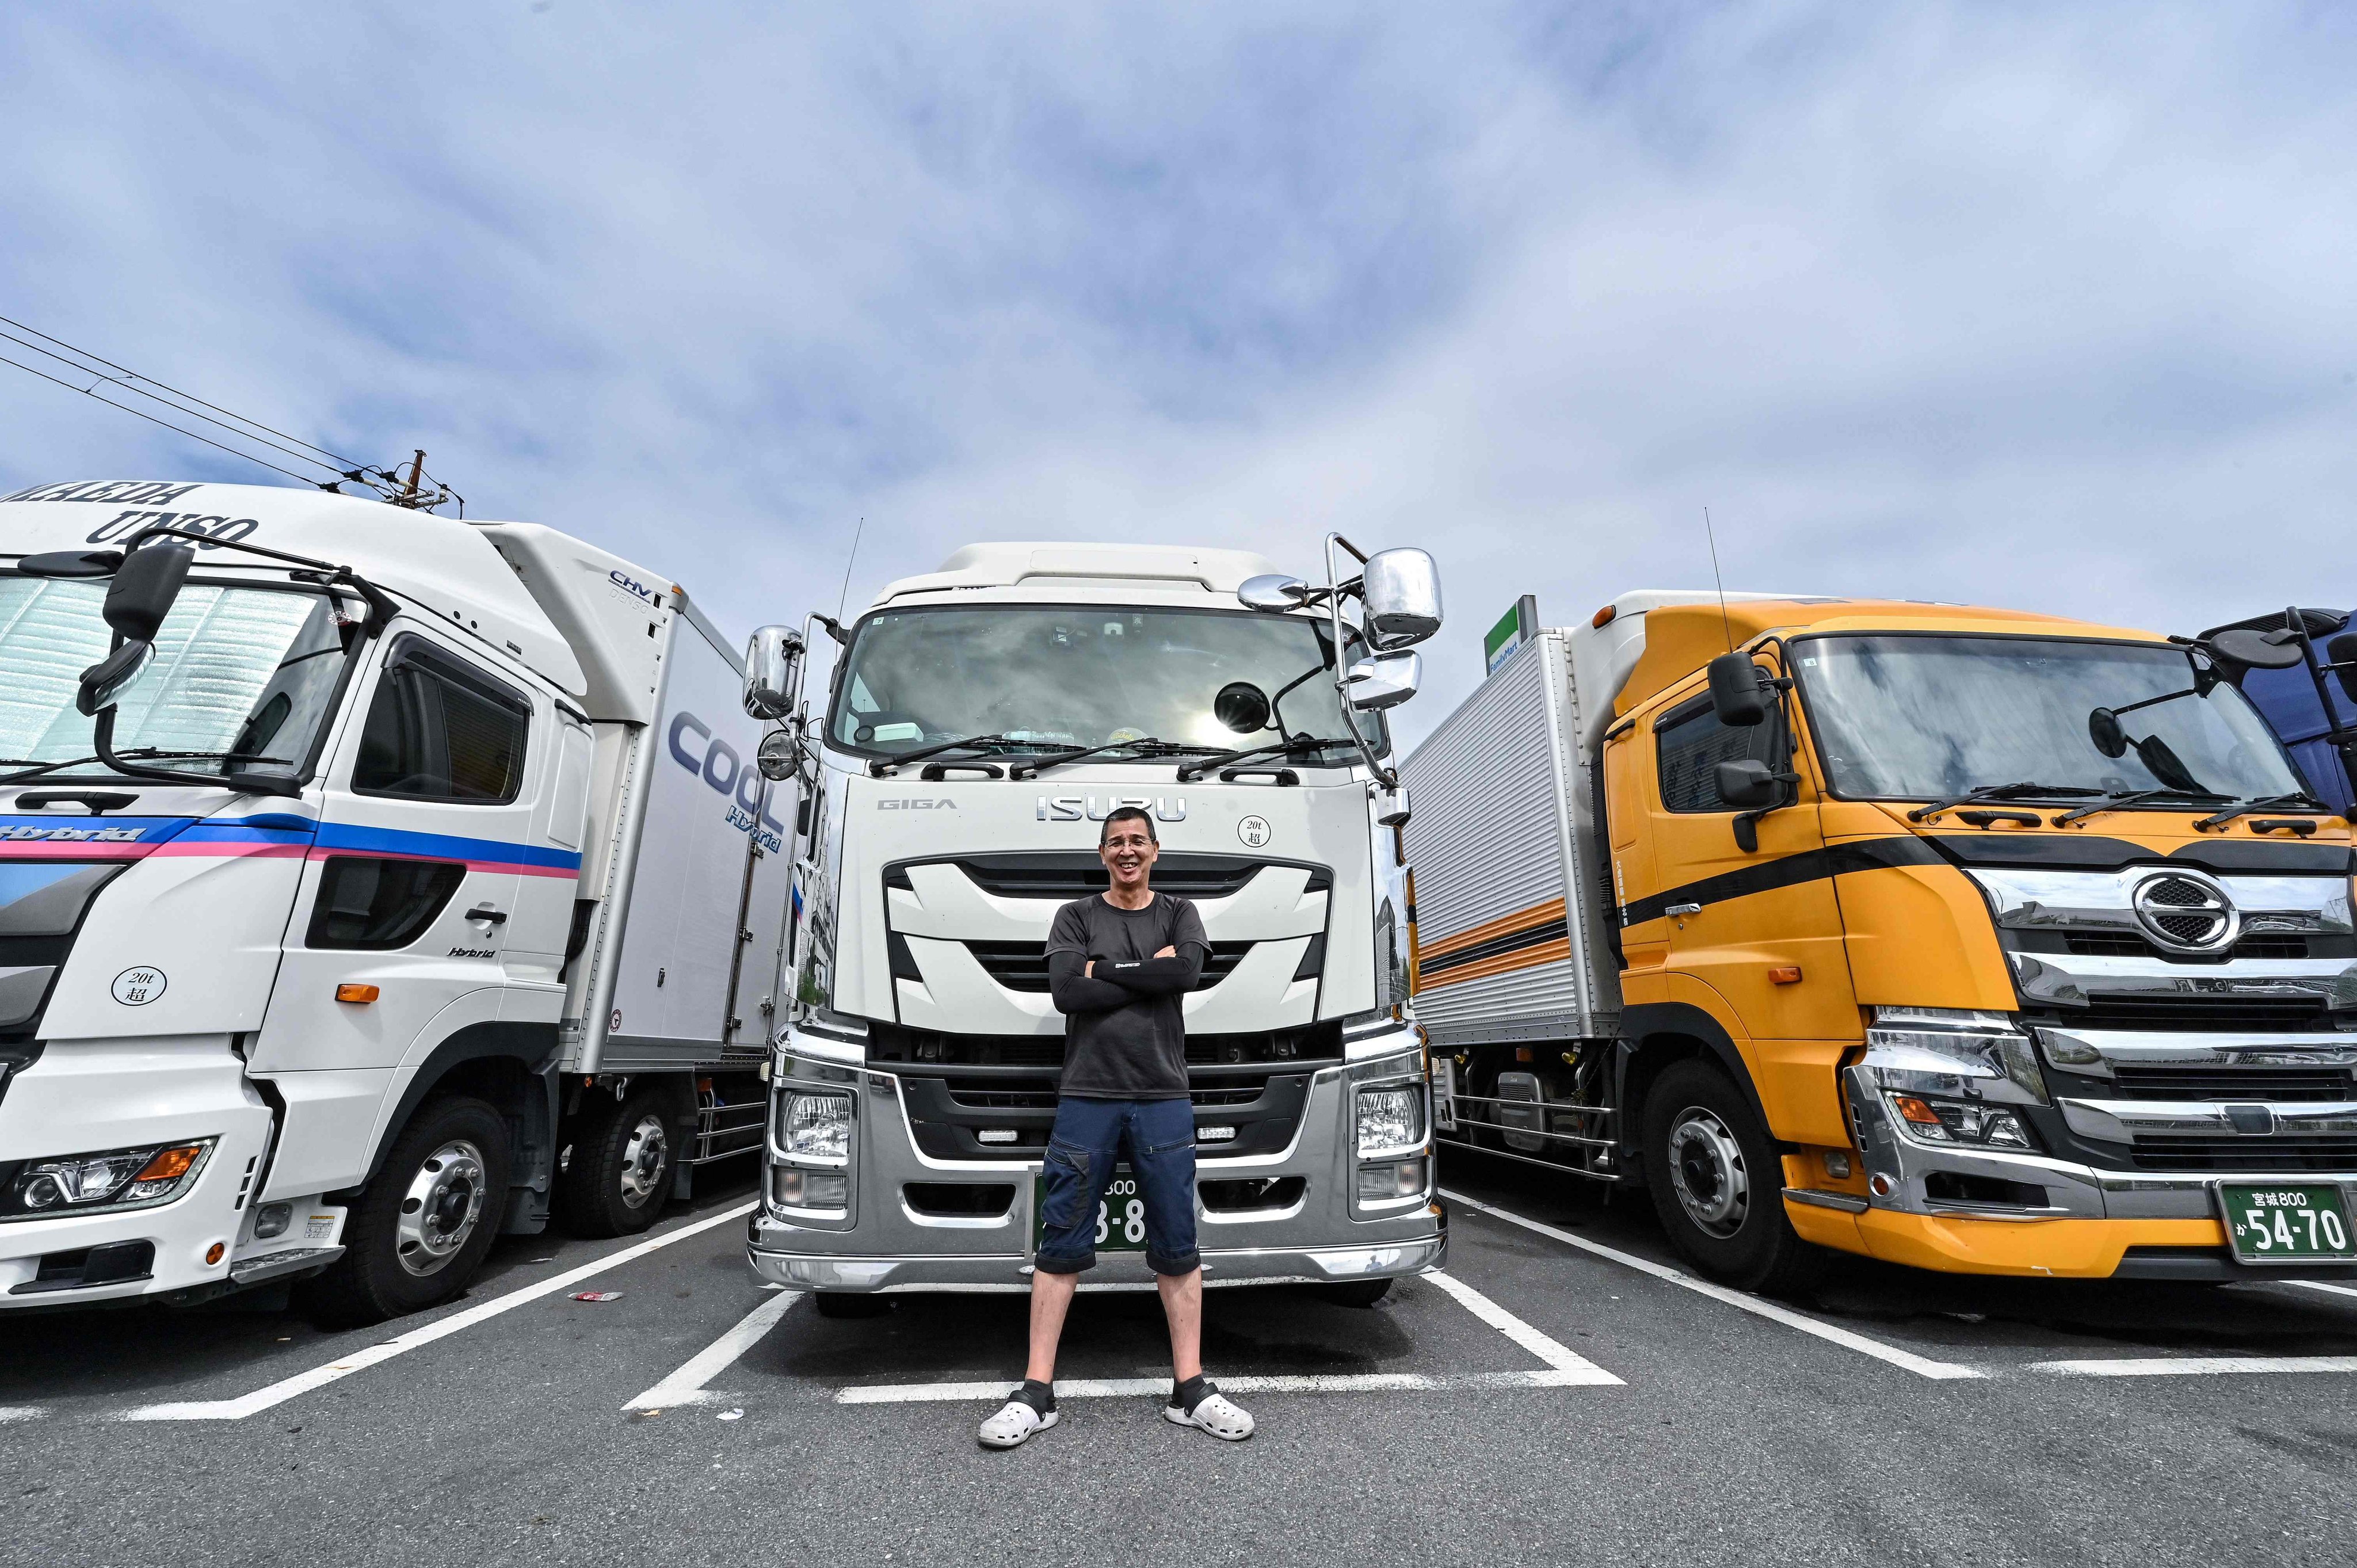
(844,598)
(1724,623)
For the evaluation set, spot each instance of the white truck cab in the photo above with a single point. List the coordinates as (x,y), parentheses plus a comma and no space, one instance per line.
(983,721)
(330,940)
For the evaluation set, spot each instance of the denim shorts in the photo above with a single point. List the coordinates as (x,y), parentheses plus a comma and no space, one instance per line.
(1157,1136)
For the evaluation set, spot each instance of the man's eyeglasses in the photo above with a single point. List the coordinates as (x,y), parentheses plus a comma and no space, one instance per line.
(1128,841)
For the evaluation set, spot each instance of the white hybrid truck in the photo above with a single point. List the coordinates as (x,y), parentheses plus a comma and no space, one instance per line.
(370,881)
(983,721)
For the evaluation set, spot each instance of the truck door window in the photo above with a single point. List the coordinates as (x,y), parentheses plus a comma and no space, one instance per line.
(1690,743)
(440,729)
(379,904)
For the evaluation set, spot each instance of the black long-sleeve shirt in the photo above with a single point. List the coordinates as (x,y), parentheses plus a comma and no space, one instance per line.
(1125,1029)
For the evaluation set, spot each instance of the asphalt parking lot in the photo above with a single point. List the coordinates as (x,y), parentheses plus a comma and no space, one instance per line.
(1563,1393)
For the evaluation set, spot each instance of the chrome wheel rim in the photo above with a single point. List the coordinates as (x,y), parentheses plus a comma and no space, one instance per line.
(644,1154)
(1707,1172)
(441,1208)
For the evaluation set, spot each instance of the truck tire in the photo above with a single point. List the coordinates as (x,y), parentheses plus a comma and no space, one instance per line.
(1718,1184)
(424,1222)
(619,1175)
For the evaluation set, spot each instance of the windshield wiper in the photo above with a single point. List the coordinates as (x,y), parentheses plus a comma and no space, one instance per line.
(971,743)
(137,753)
(1999,792)
(2127,797)
(2298,801)
(1148,747)
(1188,772)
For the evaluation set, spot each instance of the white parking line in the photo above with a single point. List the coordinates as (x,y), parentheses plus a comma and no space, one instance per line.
(1558,1358)
(279,1393)
(1922,1365)
(21,1413)
(2319,1285)
(1290,1383)
(1565,1369)
(2194,1366)
(686,1385)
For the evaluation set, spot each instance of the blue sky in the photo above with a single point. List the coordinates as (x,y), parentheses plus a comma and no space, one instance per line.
(2042,306)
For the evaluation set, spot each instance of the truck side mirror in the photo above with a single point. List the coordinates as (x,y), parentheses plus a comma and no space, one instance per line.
(1401,589)
(104,681)
(2342,652)
(773,670)
(1745,783)
(2257,650)
(2104,729)
(1242,707)
(778,755)
(1273,592)
(1735,693)
(1385,682)
(144,588)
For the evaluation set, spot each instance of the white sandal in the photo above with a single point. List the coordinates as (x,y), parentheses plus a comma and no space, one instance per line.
(1215,1414)
(1013,1424)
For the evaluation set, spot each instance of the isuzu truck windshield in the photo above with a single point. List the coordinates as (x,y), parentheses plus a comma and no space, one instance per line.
(1083,675)
(1900,717)
(246,669)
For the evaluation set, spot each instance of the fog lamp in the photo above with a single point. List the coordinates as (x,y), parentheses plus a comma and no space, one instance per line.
(793,1188)
(1390,1181)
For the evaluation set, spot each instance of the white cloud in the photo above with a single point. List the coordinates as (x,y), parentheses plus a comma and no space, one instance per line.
(2041,308)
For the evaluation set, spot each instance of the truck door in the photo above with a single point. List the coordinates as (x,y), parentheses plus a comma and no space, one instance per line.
(403,910)
(1761,928)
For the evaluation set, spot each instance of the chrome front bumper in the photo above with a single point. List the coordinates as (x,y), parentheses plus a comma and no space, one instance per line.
(1897,1168)
(882,1244)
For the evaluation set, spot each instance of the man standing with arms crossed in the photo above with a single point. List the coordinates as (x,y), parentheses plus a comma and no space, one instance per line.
(1120,963)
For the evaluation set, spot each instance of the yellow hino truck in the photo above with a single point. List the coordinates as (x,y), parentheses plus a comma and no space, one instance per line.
(1958,937)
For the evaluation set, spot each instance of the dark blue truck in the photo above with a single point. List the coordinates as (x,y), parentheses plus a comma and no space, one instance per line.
(2311,705)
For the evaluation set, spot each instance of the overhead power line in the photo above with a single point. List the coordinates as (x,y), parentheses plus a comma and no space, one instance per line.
(416,489)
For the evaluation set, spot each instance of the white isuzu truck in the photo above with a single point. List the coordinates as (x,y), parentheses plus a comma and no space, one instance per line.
(983,720)
(370,881)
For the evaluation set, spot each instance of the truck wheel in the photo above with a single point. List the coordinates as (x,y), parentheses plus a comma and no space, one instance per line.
(1717,1183)
(1353,1293)
(845,1303)
(424,1223)
(619,1176)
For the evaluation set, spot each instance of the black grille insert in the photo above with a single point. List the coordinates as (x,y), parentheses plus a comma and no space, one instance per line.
(2207,1154)
(2195,1013)
(2233,1083)
(1023,966)
(2109,944)
(958,1199)
(1073,874)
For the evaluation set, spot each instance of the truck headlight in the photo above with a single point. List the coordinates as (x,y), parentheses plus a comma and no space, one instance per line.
(105,1182)
(1910,1047)
(1959,1122)
(1390,1122)
(816,1127)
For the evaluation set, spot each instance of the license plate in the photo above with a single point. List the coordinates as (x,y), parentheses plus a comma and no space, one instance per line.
(1121,1215)
(2287,1223)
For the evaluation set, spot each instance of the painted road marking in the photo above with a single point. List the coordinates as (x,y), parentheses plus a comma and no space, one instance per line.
(2319,1285)
(1922,1365)
(1290,1383)
(1565,1369)
(279,1393)
(21,1413)
(686,1385)
(2194,1366)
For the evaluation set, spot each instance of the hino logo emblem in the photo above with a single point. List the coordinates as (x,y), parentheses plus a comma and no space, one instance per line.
(2186,912)
(1096,808)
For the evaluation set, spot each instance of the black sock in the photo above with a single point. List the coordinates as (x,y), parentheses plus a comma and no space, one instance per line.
(1039,1396)
(1186,1396)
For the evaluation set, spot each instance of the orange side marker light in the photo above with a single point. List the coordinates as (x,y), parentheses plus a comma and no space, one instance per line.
(348,991)
(1785,975)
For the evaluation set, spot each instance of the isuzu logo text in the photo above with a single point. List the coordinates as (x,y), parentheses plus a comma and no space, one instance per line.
(1075,808)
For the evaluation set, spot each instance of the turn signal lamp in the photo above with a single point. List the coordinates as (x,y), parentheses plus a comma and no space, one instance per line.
(1603,618)
(348,991)
(1785,975)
